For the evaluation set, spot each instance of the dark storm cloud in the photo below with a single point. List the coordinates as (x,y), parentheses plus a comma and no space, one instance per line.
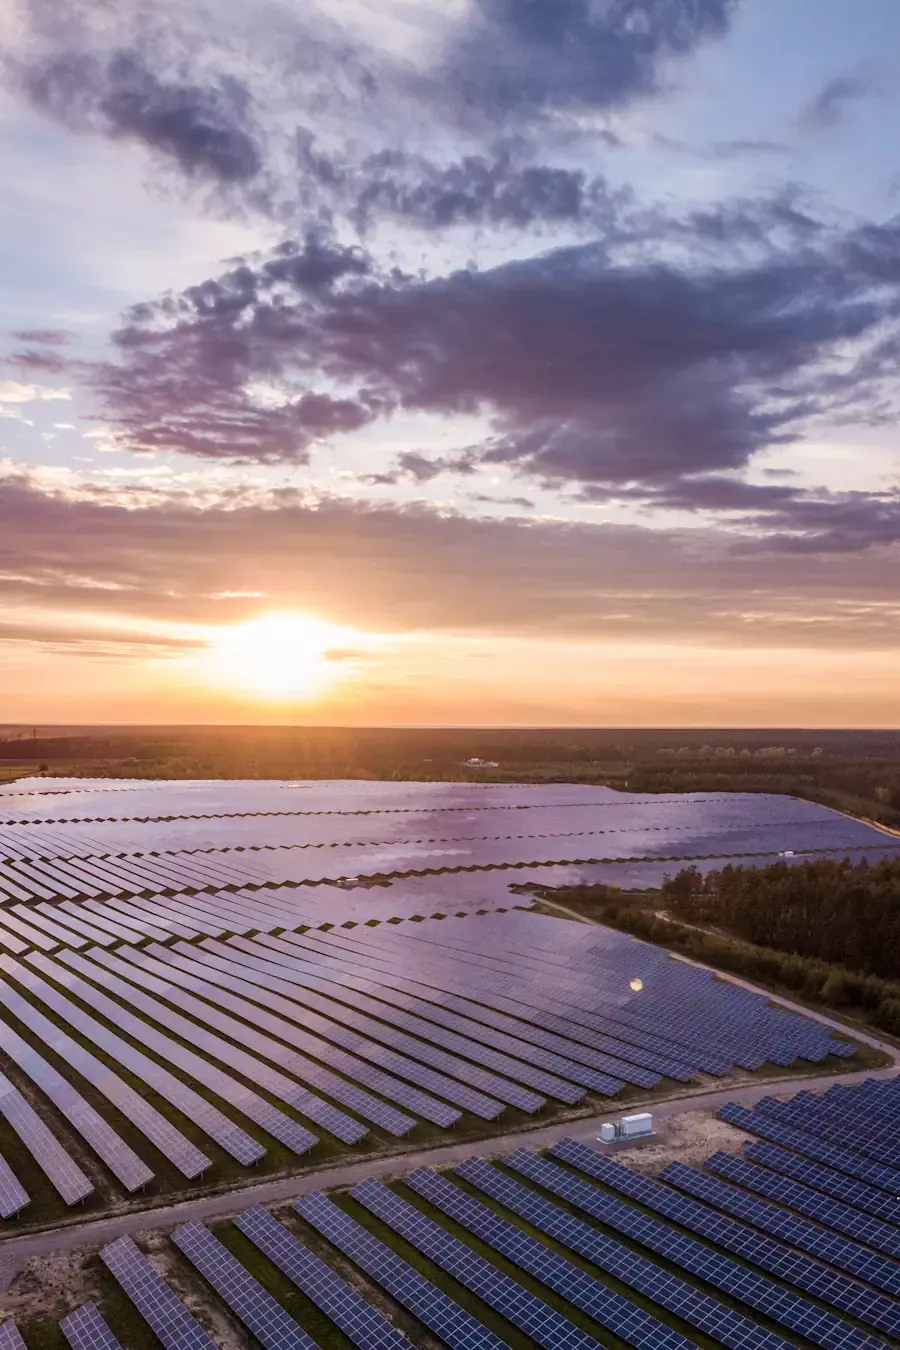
(495,189)
(205,129)
(588,370)
(827,108)
(521,58)
(394,570)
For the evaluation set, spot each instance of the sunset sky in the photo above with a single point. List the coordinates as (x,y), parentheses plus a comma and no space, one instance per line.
(482,361)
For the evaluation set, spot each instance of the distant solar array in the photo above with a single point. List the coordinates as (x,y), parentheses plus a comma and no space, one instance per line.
(99,861)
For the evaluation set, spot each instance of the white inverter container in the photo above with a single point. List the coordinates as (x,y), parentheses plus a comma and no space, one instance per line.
(607,1132)
(632,1127)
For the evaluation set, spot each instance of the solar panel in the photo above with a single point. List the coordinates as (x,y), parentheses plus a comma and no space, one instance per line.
(171,1142)
(707,1314)
(601,1303)
(102,1138)
(823,1178)
(842,1159)
(13,1196)
(294,1136)
(157,977)
(546,1071)
(160,1308)
(85,1329)
(883,1237)
(808,1237)
(780,1304)
(10,1338)
(525,1310)
(345,1031)
(262,1314)
(228,1135)
(456,1327)
(61,1170)
(358,1320)
(213,975)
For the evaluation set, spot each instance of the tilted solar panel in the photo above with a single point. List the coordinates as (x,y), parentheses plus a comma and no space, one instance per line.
(358,1320)
(260,1312)
(85,1329)
(456,1327)
(160,1308)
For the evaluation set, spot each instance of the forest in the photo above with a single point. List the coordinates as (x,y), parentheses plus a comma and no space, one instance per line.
(847,914)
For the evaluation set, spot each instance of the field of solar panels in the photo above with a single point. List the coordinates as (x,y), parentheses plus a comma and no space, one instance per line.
(202,982)
(790,1238)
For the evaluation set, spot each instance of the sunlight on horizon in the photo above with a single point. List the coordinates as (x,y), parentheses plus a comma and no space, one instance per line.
(281,656)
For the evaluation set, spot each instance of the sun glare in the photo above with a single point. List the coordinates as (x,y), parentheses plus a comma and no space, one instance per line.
(280,656)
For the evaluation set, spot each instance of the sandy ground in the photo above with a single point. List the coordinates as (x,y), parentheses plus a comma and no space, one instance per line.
(688,1138)
(51,1286)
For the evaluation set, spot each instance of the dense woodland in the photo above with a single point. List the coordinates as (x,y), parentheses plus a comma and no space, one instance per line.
(834,911)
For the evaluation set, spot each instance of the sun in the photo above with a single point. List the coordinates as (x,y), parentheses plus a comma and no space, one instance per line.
(280,656)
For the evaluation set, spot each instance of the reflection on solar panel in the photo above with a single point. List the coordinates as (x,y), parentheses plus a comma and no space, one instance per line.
(85,1329)
(13,1196)
(523,1309)
(294,1136)
(456,1327)
(698,1309)
(781,1305)
(160,1308)
(360,1322)
(172,1143)
(262,1314)
(103,1139)
(62,1171)
(186,975)
(10,1338)
(233,1139)
(592,1296)
(155,977)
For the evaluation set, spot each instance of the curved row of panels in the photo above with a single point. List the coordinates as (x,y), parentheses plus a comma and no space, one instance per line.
(177,1056)
(566,1250)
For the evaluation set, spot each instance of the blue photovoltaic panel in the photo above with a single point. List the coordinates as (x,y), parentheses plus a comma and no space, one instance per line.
(208,974)
(698,1309)
(286,1130)
(61,1170)
(884,1237)
(601,1303)
(831,1155)
(823,1178)
(358,1320)
(782,1305)
(808,1237)
(262,1314)
(456,1327)
(10,1338)
(85,1329)
(543,1324)
(162,1310)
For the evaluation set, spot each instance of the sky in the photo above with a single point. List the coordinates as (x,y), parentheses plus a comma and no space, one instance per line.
(521,362)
